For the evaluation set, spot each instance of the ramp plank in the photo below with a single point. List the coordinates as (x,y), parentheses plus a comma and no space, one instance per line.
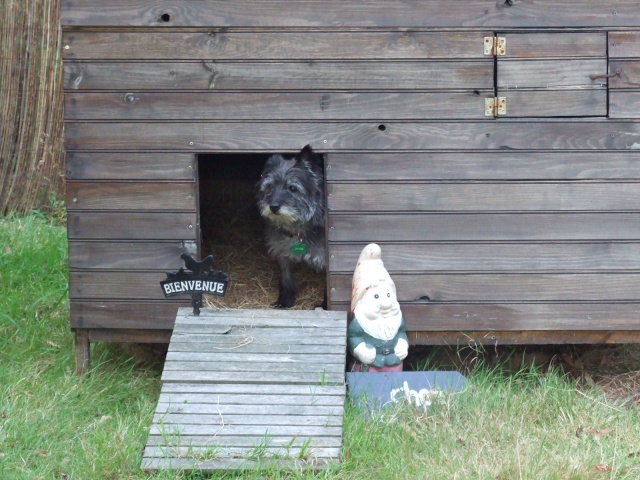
(249,389)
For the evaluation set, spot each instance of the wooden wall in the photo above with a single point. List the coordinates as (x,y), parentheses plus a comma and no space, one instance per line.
(514,228)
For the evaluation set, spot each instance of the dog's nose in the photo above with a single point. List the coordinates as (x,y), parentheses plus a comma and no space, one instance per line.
(275,208)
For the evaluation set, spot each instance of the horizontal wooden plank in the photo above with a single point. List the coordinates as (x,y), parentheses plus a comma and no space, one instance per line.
(483,227)
(264,332)
(120,315)
(328,441)
(131,226)
(544,44)
(313,378)
(242,357)
(116,285)
(247,340)
(498,287)
(563,74)
(226,441)
(427,317)
(506,257)
(349,13)
(328,346)
(320,75)
(127,335)
(215,328)
(223,464)
(128,166)
(131,196)
(259,430)
(499,197)
(226,44)
(492,165)
(624,103)
(288,136)
(527,337)
(209,391)
(211,318)
(283,370)
(129,255)
(325,105)
(215,418)
(629,76)
(558,103)
(289,411)
(624,44)
(163,453)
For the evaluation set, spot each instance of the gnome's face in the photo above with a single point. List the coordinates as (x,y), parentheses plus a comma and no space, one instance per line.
(378,303)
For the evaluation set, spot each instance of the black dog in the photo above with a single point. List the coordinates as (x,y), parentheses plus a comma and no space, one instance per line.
(291,199)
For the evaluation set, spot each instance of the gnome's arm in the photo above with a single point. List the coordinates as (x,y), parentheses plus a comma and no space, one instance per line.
(358,347)
(402,345)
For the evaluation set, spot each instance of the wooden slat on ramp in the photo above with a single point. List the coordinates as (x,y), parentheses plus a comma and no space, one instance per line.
(250,388)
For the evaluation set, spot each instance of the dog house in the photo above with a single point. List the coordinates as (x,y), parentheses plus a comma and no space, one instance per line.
(490,148)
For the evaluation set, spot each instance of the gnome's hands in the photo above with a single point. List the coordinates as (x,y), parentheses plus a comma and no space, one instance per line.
(364,353)
(401,349)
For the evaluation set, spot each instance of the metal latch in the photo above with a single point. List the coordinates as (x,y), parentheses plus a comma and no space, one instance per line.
(494,107)
(495,46)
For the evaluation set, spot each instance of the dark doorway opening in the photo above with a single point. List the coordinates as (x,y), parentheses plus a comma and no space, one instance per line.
(232,230)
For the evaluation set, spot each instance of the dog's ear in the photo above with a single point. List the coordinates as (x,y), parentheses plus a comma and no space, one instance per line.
(308,155)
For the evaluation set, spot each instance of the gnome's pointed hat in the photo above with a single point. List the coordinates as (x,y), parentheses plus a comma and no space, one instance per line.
(369,271)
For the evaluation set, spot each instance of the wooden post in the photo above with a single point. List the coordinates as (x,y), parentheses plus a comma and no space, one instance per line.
(83,354)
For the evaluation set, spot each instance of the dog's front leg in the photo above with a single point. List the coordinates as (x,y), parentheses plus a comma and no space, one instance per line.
(287,294)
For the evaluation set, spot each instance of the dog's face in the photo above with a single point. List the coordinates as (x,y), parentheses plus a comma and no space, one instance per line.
(290,190)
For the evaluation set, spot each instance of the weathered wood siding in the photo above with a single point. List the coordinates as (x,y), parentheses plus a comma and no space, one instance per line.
(526,222)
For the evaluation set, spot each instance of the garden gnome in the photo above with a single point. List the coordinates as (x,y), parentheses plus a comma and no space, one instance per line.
(376,336)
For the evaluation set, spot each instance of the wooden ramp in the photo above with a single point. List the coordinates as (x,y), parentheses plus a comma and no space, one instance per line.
(250,388)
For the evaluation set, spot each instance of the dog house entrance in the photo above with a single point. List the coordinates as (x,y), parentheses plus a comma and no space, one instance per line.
(232,230)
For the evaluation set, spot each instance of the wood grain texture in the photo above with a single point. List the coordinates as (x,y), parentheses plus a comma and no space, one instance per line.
(214,75)
(534,317)
(503,257)
(131,196)
(110,285)
(543,44)
(145,255)
(474,338)
(624,44)
(498,287)
(225,44)
(483,227)
(624,104)
(483,165)
(288,136)
(351,13)
(322,105)
(131,226)
(470,197)
(115,314)
(128,166)
(558,103)
(629,74)
(550,74)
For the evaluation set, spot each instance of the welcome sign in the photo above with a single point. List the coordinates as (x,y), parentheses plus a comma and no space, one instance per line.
(198,278)
(211,284)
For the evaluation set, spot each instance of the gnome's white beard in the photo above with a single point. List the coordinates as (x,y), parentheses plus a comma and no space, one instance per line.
(383,327)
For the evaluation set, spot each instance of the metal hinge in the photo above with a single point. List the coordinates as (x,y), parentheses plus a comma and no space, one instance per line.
(494,107)
(495,46)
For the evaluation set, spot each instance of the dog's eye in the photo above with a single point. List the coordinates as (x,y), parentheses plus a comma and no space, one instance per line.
(376,296)
(293,188)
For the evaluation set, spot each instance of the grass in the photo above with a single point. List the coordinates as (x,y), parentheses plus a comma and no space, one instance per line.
(54,425)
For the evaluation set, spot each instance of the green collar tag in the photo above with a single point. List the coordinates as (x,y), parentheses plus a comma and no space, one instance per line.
(299,248)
